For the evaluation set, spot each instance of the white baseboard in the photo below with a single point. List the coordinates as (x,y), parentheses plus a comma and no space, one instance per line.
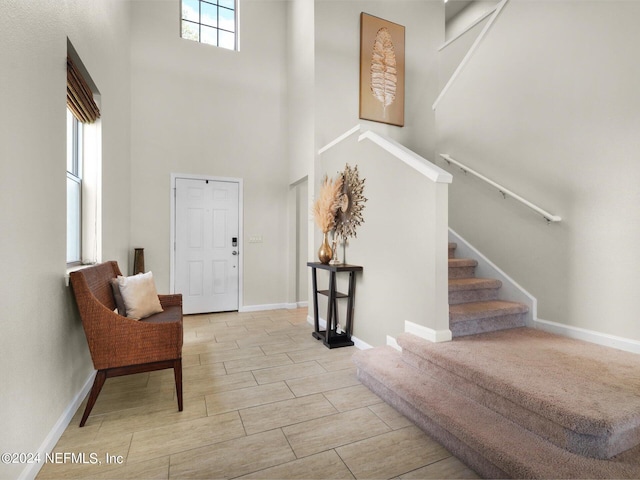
(322,324)
(510,289)
(302,304)
(271,306)
(391,342)
(31,470)
(621,343)
(360,344)
(427,333)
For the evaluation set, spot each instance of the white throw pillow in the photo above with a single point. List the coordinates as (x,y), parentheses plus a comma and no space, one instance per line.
(139,295)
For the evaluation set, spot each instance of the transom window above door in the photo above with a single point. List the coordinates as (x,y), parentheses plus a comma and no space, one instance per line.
(214,22)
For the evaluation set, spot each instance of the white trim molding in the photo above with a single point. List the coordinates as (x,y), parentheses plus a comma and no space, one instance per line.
(339,139)
(470,53)
(391,342)
(269,306)
(359,344)
(469,27)
(510,290)
(604,339)
(415,161)
(434,336)
(31,470)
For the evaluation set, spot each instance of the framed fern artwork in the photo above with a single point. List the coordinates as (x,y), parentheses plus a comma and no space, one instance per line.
(381,70)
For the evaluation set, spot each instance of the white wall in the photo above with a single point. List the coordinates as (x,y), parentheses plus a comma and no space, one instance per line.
(198,109)
(300,87)
(300,139)
(467,17)
(338,68)
(454,52)
(548,107)
(44,351)
(302,240)
(403,235)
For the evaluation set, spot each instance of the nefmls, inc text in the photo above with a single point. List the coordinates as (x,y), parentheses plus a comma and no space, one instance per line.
(82,458)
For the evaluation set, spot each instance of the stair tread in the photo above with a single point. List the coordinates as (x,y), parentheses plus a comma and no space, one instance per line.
(463,262)
(501,442)
(568,371)
(473,283)
(485,309)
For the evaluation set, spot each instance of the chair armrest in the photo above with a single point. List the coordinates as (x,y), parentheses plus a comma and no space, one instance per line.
(115,340)
(173,300)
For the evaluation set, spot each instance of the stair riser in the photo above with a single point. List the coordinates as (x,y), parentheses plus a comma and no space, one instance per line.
(452,252)
(484,325)
(476,295)
(491,444)
(462,272)
(464,452)
(586,445)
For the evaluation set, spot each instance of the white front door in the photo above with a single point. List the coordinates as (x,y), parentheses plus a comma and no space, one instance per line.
(207,245)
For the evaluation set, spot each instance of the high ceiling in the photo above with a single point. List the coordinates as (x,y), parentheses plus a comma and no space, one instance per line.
(453,7)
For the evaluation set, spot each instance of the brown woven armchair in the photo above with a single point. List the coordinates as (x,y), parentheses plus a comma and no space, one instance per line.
(122,346)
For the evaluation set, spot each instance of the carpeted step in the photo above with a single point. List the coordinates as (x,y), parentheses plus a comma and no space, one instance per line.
(467,290)
(462,267)
(580,396)
(492,445)
(452,249)
(481,317)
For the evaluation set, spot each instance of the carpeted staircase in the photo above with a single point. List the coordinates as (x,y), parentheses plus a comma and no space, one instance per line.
(474,304)
(513,402)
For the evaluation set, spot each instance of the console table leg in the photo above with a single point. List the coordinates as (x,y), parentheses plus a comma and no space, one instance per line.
(331,306)
(316,322)
(352,294)
(330,336)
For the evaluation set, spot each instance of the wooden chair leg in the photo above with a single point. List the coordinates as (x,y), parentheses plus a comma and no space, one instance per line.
(98,382)
(177,373)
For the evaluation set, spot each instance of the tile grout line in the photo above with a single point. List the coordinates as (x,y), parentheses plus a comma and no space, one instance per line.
(344,463)
(327,389)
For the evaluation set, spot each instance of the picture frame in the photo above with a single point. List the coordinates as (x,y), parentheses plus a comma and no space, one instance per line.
(382,67)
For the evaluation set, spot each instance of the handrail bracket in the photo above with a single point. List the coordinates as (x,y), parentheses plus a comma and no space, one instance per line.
(504,191)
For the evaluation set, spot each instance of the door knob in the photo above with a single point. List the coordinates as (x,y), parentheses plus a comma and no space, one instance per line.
(234,253)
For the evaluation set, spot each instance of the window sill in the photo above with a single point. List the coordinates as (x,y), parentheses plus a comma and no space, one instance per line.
(75,268)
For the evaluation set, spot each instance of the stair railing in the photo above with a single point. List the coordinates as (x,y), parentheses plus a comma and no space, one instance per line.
(549,217)
(418,163)
(339,139)
(419,232)
(468,28)
(470,53)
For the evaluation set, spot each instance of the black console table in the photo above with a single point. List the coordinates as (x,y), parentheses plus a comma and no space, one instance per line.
(330,337)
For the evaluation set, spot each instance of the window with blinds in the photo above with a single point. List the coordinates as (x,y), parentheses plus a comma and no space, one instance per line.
(83,166)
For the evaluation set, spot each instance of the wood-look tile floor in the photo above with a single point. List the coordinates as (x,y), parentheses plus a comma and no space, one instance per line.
(262,399)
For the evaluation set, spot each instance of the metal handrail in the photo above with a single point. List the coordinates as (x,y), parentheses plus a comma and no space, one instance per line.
(549,217)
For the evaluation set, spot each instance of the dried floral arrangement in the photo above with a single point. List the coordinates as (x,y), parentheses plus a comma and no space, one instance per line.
(327,203)
(349,215)
(339,208)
